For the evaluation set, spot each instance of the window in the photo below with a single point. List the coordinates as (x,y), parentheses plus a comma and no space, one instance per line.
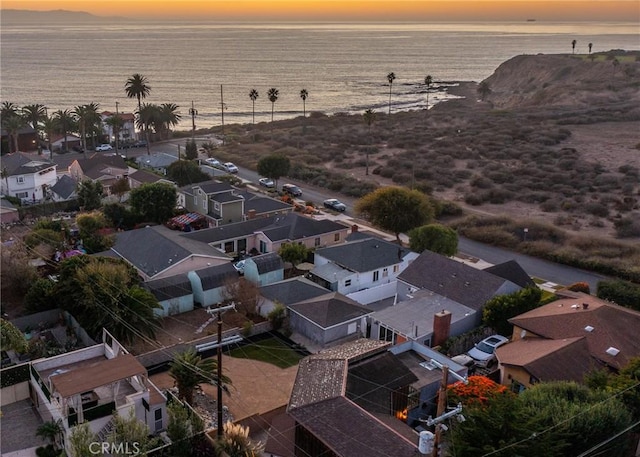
(216,206)
(386,334)
(195,200)
(22,195)
(385,272)
(316,242)
(158,419)
(396,268)
(20,179)
(347,282)
(263,247)
(336,237)
(376,276)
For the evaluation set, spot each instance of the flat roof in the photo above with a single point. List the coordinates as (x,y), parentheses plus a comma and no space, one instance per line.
(100,373)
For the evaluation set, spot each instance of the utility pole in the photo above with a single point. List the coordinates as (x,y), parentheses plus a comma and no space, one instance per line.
(219,310)
(442,406)
(222,108)
(193,112)
(117,129)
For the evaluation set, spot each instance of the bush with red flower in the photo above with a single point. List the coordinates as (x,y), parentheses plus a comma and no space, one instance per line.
(478,390)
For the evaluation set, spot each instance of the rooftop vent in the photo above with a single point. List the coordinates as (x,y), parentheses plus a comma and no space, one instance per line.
(575,306)
(428,365)
(589,328)
(585,305)
(612,351)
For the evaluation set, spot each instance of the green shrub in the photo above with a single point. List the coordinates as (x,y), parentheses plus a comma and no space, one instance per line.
(621,292)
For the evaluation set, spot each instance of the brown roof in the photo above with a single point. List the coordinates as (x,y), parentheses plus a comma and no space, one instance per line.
(103,372)
(603,324)
(549,360)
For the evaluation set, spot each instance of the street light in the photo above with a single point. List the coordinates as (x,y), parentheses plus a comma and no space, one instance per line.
(525,231)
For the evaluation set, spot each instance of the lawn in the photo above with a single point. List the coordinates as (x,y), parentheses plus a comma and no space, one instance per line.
(270,350)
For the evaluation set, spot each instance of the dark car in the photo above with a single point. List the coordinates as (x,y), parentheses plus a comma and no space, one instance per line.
(140,144)
(335,204)
(292,190)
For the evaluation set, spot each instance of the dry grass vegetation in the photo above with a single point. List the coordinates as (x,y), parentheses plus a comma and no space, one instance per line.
(555,141)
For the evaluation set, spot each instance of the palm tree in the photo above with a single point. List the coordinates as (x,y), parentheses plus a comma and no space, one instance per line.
(253,95)
(88,118)
(116,123)
(590,46)
(369,117)
(13,125)
(303,95)
(390,77)
(188,370)
(573,46)
(168,117)
(50,431)
(64,120)
(615,62)
(273,97)
(428,80)
(148,115)
(34,114)
(137,86)
(49,126)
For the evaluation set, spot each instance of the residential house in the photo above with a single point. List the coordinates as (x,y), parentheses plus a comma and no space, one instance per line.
(268,234)
(566,339)
(27,177)
(8,212)
(174,294)
(227,204)
(140,177)
(157,162)
(158,252)
(359,265)
(90,384)
(428,318)
(65,143)
(286,292)
(264,269)
(454,280)
(126,132)
(359,398)
(64,189)
(27,139)
(209,283)
(105,169)
(328,319)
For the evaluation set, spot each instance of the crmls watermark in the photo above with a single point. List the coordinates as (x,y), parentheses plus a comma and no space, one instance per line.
(101,448)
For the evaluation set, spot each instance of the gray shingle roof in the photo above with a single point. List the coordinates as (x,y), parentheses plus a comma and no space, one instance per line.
(364,255)
(261,204)
(155,249)
(512,271)
(230,231)
(329,310)
(64,187)
(143,176)
(292,290)
(22,164)
(451,279)
(212,187)
(296,227)
(171,287)
(268,262)
(216,276)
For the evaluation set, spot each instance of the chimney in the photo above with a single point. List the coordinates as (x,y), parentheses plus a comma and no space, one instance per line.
(585,305)
(441,327)
(354,228)
(251,214)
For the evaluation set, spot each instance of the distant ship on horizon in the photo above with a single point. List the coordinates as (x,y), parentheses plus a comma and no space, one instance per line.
(531,20)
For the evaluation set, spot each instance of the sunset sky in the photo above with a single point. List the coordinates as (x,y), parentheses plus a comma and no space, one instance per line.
(328,10)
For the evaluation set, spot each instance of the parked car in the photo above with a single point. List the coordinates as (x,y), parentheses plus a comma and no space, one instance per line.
(484,351)
(104,147)
(267,182)
(292,190)
(140,144)
(212,162)
(229,167)
(239,266)
(335,204)
(465,361)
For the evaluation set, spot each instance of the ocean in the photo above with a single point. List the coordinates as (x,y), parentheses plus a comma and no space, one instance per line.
(343,67)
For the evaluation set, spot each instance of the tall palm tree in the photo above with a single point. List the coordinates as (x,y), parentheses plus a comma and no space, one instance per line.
(303,95)
(188,370)
(428,80)
(11,120)
(49,127)
(168,117)
(390,77)
(64,121)
(573,46)
(137,86)
(253,95)
(273,97)
(34,114)
(88,117)
(369,117)
(148,115)
(115,122)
